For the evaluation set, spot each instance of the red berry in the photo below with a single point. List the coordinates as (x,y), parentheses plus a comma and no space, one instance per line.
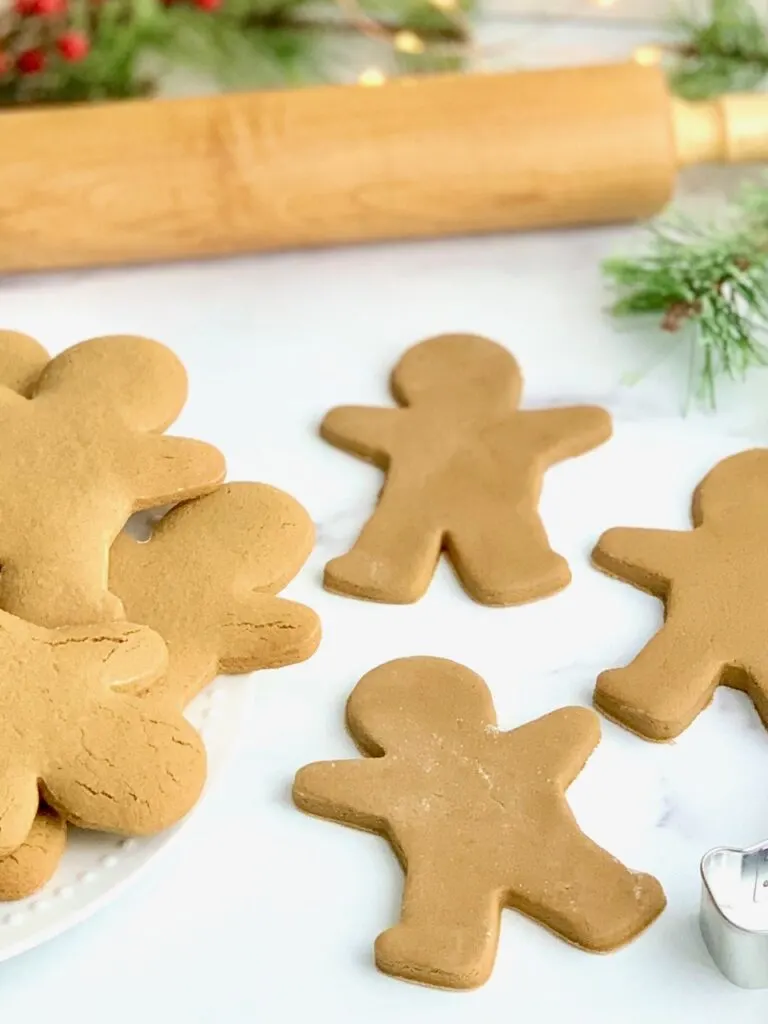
(47,7)
(73,45)
(29,62)
(208,5)
(24,7)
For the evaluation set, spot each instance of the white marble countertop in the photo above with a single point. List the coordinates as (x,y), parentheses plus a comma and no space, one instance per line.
(261,914)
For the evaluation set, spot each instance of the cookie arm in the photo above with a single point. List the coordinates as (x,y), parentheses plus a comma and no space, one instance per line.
(267,632)
(569,431)
(648,559)
(362,430)
(128,768)
(169,469)
(561,740)
(348,791)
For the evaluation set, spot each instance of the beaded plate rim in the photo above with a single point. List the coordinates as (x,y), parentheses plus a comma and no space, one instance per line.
(96,867)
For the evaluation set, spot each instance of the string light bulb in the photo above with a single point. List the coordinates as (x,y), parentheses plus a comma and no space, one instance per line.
(647,56)
(372,77)
(406,41)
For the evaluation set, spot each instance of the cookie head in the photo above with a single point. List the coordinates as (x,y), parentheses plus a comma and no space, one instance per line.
(136,378)
(736,490)
(458,369)
(409,701)
(243,536)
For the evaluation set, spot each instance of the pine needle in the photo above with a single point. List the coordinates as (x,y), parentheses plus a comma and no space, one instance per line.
(706,286)
(235,43)
(726,51)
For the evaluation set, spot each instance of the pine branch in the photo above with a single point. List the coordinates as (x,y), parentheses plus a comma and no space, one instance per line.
(237,43)
(725,52)
(708,287)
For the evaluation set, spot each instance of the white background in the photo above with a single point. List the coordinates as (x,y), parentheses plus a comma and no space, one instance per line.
(258,913)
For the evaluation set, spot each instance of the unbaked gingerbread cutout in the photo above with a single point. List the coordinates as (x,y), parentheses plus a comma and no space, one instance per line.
(82,449)
(478,819)
(464,468)
(713,581)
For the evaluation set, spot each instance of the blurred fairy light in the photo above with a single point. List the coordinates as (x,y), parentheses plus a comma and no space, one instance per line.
(372,77)
(647,56)
(406,41)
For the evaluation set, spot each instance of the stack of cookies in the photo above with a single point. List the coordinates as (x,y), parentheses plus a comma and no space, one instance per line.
(104,640)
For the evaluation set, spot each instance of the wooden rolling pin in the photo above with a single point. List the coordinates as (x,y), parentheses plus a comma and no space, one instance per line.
(168,179)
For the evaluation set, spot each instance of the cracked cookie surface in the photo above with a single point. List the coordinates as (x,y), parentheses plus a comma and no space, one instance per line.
(206,581)
(69,730)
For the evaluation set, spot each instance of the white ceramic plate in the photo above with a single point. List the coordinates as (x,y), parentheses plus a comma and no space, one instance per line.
(95,867)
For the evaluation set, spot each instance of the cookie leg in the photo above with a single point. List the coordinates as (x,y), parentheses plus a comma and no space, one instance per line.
(448,931)
(660,693)
(504,561)
(752,678)
(126,770)
(585,895)
(393,559)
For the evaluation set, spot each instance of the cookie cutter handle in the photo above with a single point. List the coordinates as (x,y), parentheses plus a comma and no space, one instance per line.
(734,912)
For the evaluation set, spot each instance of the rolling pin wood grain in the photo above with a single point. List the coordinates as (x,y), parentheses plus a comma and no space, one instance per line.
(166,179)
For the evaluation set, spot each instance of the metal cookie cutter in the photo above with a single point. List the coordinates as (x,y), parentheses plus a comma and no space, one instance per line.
(734,912)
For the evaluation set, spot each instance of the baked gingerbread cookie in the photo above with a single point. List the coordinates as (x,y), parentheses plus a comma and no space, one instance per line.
(69,730)
(206,582)
(464,471)
(79,455)
(478,819)
(713,581)
(22,360)
(34,863)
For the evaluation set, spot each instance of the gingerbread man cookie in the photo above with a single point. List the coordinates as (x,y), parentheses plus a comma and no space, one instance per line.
(464,471)
(206,582)
(713,581)
(79,456)
(22,360)
(478,819)
(102,757)
(33,863)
